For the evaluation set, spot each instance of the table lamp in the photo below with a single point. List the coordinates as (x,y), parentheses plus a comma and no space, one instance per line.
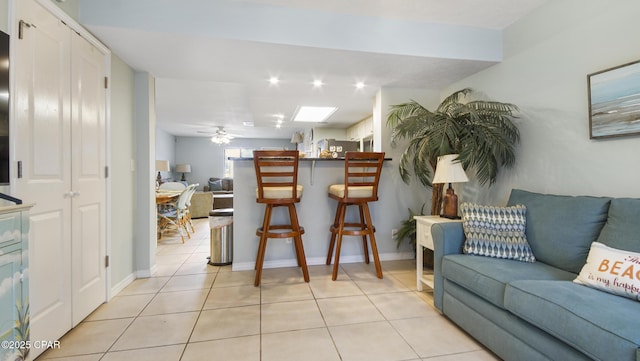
(449,170)
(183,168)
(297,138)
(162,166)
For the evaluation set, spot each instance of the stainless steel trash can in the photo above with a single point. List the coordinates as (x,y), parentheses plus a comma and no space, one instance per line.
(221,223)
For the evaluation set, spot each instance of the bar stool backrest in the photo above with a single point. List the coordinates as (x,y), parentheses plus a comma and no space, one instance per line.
(277,176)
(362,175)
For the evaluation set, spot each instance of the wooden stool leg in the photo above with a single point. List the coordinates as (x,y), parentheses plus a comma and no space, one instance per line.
(263,244)
(333,233)
(363,225)
(295,224)
(372,240)
(336,262)
(265,225)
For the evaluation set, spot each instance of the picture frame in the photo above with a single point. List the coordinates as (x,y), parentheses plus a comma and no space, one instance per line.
(614,101)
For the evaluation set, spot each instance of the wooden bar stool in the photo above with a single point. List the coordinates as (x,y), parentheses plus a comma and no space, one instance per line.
(277,175)
(361,177)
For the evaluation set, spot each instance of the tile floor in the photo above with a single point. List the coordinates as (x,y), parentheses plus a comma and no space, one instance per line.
(192,311)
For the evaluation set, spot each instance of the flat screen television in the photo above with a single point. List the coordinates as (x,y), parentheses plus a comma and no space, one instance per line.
(4,108)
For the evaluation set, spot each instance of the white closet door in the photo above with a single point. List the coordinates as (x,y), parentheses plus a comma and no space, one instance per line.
(88,177)
(42,118)
(59,114)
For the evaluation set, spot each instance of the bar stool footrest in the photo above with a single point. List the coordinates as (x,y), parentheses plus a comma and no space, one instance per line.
(362,231)
(283,234)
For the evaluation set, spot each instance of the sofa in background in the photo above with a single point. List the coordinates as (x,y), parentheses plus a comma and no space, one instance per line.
(533,311)
(203,202)
(219,185)
(216,194)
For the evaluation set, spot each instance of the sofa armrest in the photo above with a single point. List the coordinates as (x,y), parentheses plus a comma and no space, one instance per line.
(448,238)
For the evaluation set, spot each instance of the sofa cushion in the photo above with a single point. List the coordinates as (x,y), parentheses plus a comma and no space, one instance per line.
(622,230)
(496,231)
(612,270)
(215,184)
(560,229)
(603,326)
(488,277)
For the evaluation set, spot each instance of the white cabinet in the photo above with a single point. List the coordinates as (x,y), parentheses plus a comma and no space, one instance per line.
(14,278)
(367,128)
(355,131)
(425,240)
(361,129)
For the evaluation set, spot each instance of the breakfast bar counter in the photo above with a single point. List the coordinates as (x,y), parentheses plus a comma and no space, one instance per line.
(316,212)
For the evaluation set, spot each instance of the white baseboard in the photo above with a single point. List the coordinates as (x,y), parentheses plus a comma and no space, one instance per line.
(122,284)
(314,261)
(146,273)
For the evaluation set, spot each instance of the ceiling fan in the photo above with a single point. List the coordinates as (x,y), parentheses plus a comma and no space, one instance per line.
(220,136)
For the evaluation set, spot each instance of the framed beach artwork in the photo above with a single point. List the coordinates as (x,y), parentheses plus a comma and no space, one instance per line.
(614,101)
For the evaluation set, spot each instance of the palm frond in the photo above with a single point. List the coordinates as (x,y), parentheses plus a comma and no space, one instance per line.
(453,98)
(482,132)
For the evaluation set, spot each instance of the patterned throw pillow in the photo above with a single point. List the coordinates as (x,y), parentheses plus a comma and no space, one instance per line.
(496,231)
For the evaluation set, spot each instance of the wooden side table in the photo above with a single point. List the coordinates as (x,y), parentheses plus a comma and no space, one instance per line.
(424,239)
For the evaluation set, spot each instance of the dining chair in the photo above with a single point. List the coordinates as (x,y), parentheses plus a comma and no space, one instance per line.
(191,189)
(361,177)
(176,213)
(277,176)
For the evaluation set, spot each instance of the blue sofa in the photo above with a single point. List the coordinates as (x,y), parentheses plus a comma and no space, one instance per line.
(533,311)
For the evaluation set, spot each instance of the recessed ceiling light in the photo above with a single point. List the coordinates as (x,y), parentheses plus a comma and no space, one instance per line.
(278,125)
(317,83)
(248,124)
(313,114)
(274,80)
(359,85)
(279,121)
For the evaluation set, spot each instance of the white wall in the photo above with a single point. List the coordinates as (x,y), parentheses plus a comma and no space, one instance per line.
(207,158)
(547,58)
(166,150)
(69,6)
(122,175)
(329,133)
(145,125)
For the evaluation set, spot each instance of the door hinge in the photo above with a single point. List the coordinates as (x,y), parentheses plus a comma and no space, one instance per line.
(106,261)
(19,169)
(21,25)
(106,171)
(106,82)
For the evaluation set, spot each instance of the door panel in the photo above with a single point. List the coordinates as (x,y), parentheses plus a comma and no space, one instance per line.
(50,279)
(88,180)
(42,118)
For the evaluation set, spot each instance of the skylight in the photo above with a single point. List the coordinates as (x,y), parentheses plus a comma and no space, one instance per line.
(313,114)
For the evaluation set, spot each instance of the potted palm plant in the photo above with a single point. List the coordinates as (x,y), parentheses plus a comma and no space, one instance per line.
(480,131)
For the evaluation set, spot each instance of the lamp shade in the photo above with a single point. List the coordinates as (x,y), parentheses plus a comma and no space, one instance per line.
(297,137)
(449,170)
(162,166)
(183,168)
